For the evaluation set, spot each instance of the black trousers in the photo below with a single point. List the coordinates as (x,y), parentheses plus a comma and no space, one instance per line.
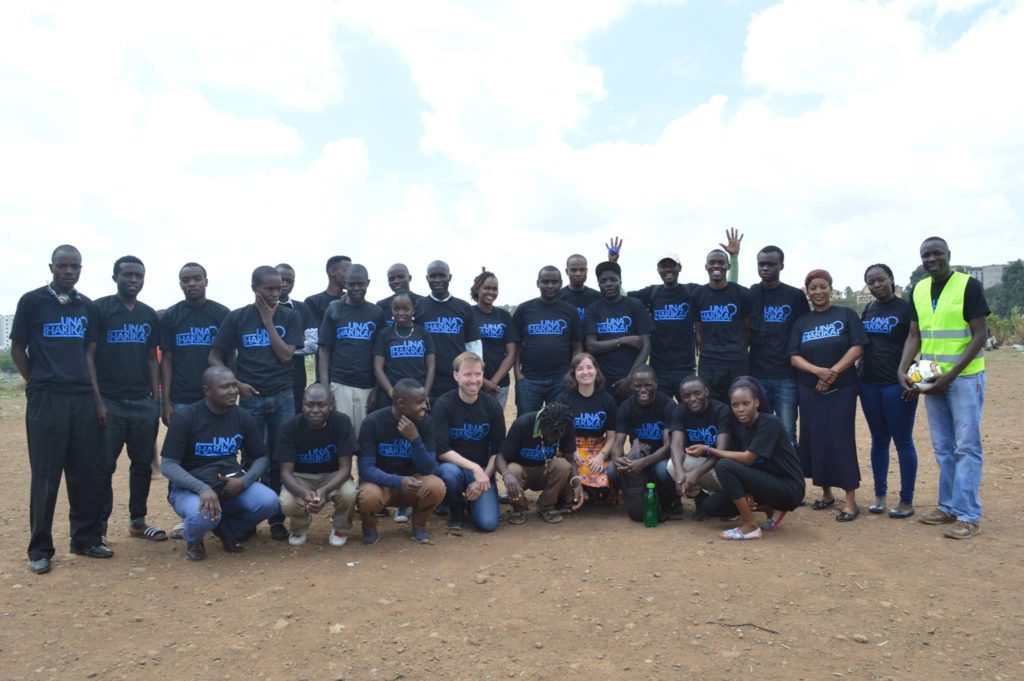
(63,437)
(719,380)
(131,425)
(739,480)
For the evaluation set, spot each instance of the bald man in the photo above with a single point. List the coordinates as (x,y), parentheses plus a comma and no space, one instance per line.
(52,326)
(399,281)
(209,489)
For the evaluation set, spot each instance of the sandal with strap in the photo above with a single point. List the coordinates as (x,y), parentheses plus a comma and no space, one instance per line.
(516,517)
(147,532)
(550,516)
(822,504)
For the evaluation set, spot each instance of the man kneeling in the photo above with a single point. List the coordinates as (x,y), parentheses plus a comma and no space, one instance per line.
(395,464)
(315,453)
(209,489)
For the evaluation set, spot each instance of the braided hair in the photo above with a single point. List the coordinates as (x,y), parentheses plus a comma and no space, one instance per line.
(474,290)
(555,417)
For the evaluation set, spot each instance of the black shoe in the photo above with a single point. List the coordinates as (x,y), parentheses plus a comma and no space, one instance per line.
(98,551)
(441,511)
(195,550)
(39,565)
(231,545)
(247,535)
(278,532)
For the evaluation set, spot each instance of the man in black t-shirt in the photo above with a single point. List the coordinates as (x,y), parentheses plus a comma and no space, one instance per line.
(310,328)
(450,322)
(347,335)
(260,340)
(337,269)
(51,327)
(187,331)
(122,361)
(209,490)
(315,454)
(776,307)
(396,464)
(722,321)
(399,281)
(618,331)
(577,293)
(538,454)
(469,427)
(550,335)
(697,420)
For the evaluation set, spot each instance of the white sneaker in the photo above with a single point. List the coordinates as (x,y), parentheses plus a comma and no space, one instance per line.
(177,531)
(296,539)
(401,514)
(337,538)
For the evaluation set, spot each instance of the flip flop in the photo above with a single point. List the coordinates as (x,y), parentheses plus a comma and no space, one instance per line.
(773,523)
(822,504)
(550,516)
(516,517)
(737,534)
(147,532)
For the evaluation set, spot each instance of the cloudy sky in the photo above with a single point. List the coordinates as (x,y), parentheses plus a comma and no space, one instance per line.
(505,135)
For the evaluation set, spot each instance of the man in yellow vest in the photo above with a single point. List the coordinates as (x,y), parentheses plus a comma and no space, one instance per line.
(948,327)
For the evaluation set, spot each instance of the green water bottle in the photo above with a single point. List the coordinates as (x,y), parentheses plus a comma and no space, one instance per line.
(651,506)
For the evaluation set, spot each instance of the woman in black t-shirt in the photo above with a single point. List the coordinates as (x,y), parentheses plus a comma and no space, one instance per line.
(763,475)
(497,335)
(890,417)
(402,350)
(593,412)
(823,346)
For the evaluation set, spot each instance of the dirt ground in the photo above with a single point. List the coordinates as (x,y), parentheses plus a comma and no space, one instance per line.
(594,597)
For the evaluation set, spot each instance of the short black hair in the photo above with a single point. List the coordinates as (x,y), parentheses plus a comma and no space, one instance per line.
(884,268)
(549,268)
(403,294)
(478,281)
(642,370)
(64,248)
(284,266)
(576,255)
(192,264)
(693,378)
(357,269)
(334,260)
(262,271)
(405,387)
(127,258)
(936,238)
(774,249)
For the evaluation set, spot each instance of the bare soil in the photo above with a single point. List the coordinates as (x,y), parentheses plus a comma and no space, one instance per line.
(594,597)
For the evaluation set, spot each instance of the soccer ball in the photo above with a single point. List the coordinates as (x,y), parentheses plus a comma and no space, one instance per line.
(923,374)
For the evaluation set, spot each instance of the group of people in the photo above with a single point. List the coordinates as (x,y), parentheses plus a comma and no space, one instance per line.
(692,389)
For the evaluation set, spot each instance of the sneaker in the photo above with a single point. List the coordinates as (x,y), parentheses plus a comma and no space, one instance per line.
(370,537)
(196,550)
(177,531)
(962,529)
(420,535)
(278,531)
(402,514)
(337,538)
(937,517)
(296,539)
(442,510)
(455,526)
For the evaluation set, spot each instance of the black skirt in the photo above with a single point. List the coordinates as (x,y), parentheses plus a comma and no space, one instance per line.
(828,444)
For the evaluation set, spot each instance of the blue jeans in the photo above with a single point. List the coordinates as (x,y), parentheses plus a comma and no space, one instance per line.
(271,413)
(782,393)
(533,393)
(954,419)
(485,512)
(238,516)
(890,417)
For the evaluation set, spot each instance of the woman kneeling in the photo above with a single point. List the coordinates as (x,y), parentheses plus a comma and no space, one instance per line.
(764,475)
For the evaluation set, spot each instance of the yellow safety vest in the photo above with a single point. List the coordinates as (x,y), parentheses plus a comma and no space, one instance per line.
(945,334)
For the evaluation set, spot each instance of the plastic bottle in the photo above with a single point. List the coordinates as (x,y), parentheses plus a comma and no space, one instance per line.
(650,506)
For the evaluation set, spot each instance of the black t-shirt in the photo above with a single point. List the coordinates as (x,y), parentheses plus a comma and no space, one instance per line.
(822,338)
(55,336)
(475,431)
(349,331)
(405,352)
(317,304)
(197,436)
(316,451)
(546,332)
(523,447)
(593,416)
(673,340)
(495,329)
(975,304)
(379,437)
(385,305)
(774,312)
(451,324)
(887,325)
(775,455)
(581,300)
(608,321)
(705,427)
(256,364)
(187,334)
(123,340)
(646,424)
(722,316)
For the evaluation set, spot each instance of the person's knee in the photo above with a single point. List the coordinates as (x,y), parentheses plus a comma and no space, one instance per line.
(559,468)
(290,505)
(450,474)
(433,489)
(487,522)
(261,500)
(344,496)
(370,498)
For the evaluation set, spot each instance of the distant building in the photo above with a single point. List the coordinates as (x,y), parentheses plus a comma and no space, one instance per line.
(7,324)
(988,275)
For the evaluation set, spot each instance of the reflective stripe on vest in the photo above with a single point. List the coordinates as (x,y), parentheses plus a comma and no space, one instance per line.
(945,334)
